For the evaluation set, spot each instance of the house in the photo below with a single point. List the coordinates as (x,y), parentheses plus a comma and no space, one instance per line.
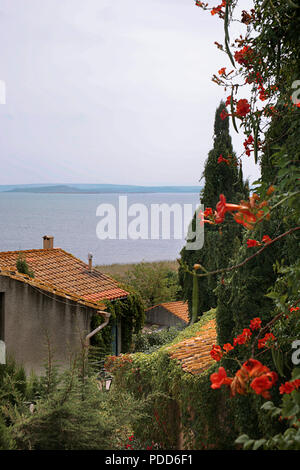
(57,303)
(168,314)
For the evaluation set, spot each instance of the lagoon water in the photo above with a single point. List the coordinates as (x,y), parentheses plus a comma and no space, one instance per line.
(72,220)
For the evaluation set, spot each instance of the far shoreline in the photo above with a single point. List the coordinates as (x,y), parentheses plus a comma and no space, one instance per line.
(98,189)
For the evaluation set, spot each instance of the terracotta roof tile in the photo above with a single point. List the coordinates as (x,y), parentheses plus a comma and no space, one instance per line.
(57,271)
(179,309)
(193,353)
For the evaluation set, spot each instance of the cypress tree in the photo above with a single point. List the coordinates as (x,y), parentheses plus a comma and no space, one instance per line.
(220,178)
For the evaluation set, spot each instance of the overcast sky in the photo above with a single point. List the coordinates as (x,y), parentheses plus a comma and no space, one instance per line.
(102,91)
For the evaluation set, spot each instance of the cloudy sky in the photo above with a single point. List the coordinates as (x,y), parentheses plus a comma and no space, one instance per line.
(101,91)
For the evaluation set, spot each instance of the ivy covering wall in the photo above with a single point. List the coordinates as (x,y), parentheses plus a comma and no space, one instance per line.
(129,313)
(182,408)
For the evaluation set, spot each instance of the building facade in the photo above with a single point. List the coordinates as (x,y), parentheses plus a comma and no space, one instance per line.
(52,307)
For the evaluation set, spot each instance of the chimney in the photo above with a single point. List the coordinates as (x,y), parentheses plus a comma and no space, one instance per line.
(48,242)
(90,258)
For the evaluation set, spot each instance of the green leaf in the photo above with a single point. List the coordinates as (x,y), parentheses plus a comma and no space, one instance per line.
(296,373)
(242,439)
(269,405)
(276,413)
(265,4)
(256,128)
(259,443)
(248,444)
(292,4)
(226,21)
(232,112)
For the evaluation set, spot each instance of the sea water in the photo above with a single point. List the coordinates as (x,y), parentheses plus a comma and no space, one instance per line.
(72,219)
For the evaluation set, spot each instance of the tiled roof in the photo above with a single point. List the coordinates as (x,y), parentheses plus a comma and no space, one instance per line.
(193,353)
(61,273)
(179,309)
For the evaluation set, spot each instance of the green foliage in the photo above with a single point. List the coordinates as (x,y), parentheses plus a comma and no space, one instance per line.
(6,441)
(23,267)
(66,411)
(13,384)
(289,412)
(154,282)
(267,285)
(14,392)
(129,313)
(178,401)
(221,178)
(147,342)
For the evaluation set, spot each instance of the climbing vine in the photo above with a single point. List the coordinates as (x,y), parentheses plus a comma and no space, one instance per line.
(179,402)
(129,313)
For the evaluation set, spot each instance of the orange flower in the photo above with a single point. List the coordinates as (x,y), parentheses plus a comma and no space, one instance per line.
(216,353)
(254,367)
(244,56)
(286,388)
(220,210)
(239,382)
(228,100)
(246,144)
(245,218)
(255,324)
(266,239)
(220,378)
(242,108)
(224,115)
(218,9)
(271,190)
(251,243)
(263,383)
(228,347)
(222,207)
(247,213)
(222,71)
(268,337)
(222,159)
(208,212)
(253,375)
(247,375)
(201,216)
(243,337)
(251,212)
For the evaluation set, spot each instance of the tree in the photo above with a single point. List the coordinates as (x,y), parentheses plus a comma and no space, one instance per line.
(222,176)
(155,282)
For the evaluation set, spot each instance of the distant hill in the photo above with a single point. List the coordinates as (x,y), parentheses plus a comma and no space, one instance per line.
(45,189)
(98,188)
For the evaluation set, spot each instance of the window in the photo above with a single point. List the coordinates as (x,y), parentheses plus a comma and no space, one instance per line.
(2,314)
